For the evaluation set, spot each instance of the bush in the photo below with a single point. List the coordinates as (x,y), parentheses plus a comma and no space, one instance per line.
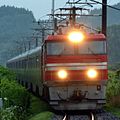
(8,114)
(13,95)
(13,113)
(113,90)
(6,73)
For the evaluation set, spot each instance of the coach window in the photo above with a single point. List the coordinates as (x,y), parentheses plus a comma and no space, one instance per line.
(34,62)
(16,64)
(19,64)
(25,62)
(22,63)
(29,63)
(11,65)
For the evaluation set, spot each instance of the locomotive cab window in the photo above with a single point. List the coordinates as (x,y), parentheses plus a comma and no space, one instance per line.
(92,47)
(87,47)
(59,48)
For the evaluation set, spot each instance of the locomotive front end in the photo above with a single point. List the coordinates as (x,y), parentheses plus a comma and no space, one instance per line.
(76,71)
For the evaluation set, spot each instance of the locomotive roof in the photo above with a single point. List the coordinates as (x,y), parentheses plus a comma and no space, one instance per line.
(32,51)
(90,36)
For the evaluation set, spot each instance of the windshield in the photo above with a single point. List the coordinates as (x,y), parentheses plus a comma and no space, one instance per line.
(64,48)
(59,48)
(94,47)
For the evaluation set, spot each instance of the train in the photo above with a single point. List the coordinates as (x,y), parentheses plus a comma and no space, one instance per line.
(69,70)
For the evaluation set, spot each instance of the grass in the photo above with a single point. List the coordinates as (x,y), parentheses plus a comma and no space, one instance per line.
(113,110)
(42,116)
(38,105)
(38,109)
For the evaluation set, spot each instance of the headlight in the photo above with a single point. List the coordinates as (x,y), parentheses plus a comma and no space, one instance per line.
(92,73)
(76,37)
(62,74)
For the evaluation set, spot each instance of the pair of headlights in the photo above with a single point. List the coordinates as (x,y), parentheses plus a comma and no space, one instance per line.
(91,73)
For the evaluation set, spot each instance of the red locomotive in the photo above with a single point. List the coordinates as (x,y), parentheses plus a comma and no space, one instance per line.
(76,70)
(69,69)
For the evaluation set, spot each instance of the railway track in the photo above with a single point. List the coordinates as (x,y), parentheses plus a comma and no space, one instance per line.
(72,117)
(105,116)
(89,116)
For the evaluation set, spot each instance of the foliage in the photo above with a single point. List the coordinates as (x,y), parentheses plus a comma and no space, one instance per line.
(13,113)
(16,99)
(113,89)
(5,73)
(8,114)
(16,94)
(18,104)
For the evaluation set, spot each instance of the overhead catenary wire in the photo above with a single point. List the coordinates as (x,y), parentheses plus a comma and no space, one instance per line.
(96,2)
(106,5)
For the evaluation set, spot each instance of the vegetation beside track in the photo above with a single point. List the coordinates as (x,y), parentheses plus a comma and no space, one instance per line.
(18,103)
(113,110)
(16,99)
(113,90)
(43,116)
(39,109)
(113,93)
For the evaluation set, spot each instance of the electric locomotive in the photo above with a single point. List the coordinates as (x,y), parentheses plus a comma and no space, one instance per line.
(69,70)
(76,70)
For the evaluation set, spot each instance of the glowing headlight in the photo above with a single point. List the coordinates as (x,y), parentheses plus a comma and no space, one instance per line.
(62,74)
(76,37)
(92,73)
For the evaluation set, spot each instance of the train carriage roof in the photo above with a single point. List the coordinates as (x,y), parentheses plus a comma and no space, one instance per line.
(27,53)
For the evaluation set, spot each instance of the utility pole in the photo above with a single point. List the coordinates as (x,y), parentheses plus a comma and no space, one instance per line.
(104,17)
(52,12)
